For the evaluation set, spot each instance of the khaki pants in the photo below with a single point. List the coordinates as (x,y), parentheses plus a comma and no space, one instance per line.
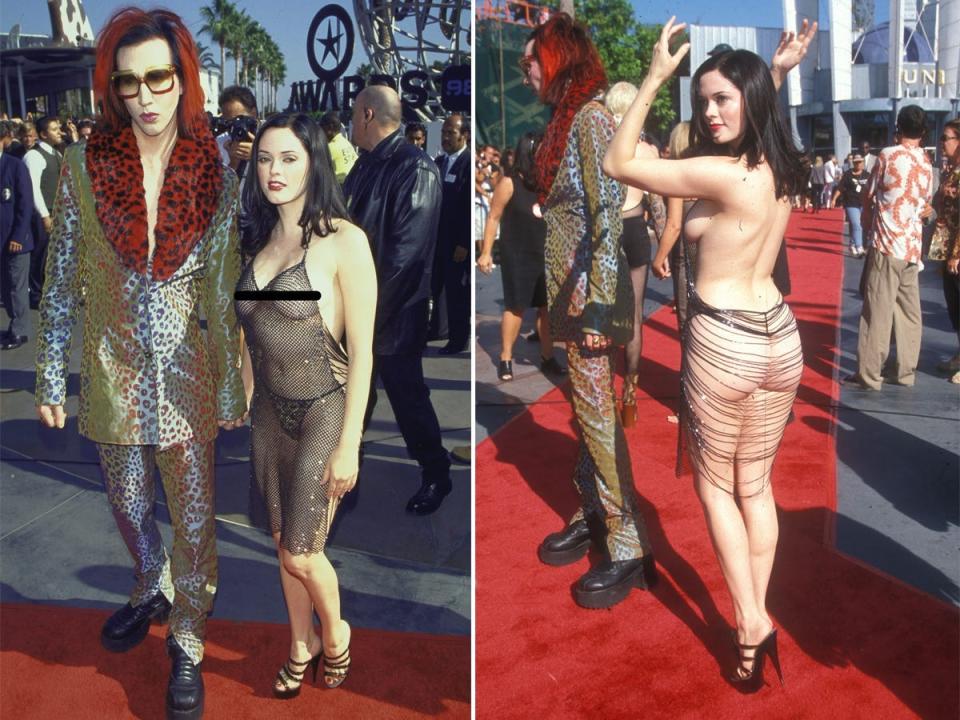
(891,300)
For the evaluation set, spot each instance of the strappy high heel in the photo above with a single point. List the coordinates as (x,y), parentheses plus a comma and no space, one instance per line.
(292,679)
(335,669)
(628,408)
(749,680)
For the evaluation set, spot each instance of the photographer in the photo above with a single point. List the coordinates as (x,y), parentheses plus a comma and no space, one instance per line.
(238,126)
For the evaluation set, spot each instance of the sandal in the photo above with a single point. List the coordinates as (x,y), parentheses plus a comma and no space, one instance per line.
(750,679)
(505,371)
(291,679)
(335,669)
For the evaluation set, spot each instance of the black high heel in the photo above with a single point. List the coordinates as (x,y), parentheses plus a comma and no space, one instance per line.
(292,679)
(751,680)
(505,370)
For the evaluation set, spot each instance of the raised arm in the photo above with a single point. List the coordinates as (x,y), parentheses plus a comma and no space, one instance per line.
(791,50)
(501,196)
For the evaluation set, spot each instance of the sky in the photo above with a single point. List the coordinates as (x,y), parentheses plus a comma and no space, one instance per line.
(287,21)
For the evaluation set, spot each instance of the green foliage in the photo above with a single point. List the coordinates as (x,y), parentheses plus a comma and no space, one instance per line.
(625,47)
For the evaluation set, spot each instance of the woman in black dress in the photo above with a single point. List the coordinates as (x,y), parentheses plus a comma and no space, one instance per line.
(515,211)
(308,392)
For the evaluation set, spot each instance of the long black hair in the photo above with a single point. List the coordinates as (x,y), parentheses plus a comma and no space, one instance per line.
(323,201)
(765,136)
(524,160)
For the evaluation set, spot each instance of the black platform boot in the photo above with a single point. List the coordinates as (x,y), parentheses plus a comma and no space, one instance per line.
(185,691)
(566,546)
(610,582)
(128,626)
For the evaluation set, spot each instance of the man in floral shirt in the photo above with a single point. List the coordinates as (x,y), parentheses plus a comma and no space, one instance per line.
(898,191)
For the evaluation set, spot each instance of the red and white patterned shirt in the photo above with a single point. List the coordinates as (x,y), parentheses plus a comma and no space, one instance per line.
(901,184)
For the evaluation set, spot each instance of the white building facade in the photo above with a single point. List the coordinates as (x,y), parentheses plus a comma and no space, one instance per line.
(853,81)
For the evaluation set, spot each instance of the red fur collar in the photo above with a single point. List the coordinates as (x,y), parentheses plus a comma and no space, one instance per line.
(188,199)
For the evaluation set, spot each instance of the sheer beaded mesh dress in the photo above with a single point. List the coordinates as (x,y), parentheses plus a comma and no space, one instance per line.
(297,411)
(739,374)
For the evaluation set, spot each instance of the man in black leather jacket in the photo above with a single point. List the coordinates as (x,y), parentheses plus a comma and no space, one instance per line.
(394,193)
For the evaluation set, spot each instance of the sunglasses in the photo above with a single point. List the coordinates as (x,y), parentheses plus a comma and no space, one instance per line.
(526,62)
(159,79)
(944,138)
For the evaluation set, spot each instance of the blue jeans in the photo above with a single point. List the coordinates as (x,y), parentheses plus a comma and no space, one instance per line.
(856,232)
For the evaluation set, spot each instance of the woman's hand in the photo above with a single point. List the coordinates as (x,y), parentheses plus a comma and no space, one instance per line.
(953,265)
(234,424)
(792,48)
(661,266)
(340,475)
(485,263)
(664,64)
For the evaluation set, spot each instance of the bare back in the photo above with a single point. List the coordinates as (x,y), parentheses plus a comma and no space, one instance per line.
(739,236)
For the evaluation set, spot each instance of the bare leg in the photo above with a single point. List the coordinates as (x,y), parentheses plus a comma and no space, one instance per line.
(318,579)
(634,349)
(543,330)
(509,330)
(304,641)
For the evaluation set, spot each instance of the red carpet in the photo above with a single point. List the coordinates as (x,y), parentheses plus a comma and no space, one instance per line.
(853,643)
(52,667)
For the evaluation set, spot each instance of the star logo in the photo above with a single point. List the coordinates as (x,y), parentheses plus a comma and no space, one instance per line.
(331,43)
(330,36)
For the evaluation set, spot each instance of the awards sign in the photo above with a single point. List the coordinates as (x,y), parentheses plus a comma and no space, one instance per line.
(330,43)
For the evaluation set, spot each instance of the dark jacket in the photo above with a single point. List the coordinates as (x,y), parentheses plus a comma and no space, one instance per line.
(393,193)
(16,203)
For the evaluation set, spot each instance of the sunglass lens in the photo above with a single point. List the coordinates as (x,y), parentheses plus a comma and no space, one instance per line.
(159,80)
(126,86)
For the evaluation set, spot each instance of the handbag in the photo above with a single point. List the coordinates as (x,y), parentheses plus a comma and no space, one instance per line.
(939,243)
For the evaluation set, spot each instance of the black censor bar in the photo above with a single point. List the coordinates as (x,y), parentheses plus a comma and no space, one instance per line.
(276,295)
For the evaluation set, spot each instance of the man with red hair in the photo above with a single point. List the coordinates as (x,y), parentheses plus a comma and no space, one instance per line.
(591,307)
(144,222)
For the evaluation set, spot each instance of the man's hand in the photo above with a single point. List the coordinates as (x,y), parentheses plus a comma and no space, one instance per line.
(14,247)
(52,416)
(595,341)
(234,424)
(48,223)
(239,150)
(791,50)
(460,254)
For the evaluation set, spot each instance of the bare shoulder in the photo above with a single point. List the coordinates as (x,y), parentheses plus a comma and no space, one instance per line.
(348,237)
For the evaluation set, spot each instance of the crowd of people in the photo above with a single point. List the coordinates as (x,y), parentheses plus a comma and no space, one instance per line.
(318,263)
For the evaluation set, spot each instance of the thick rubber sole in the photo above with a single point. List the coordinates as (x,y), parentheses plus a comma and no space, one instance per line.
(134,638)
(558,558)
(191,714)
(644,578)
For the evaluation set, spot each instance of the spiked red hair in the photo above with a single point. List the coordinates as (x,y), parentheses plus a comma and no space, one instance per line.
(131,26)
(572,75)
(567,57)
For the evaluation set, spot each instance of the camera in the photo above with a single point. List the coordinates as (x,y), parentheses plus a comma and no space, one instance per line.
(240,126)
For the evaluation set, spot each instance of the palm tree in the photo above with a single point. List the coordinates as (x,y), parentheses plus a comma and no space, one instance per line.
(240,28)
(206,58)
(217,21)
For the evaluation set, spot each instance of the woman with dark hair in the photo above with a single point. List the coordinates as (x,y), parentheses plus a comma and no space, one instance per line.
(307,392)
(742,359)
(946,245)
(591,307)
(145,224)
(522,233)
